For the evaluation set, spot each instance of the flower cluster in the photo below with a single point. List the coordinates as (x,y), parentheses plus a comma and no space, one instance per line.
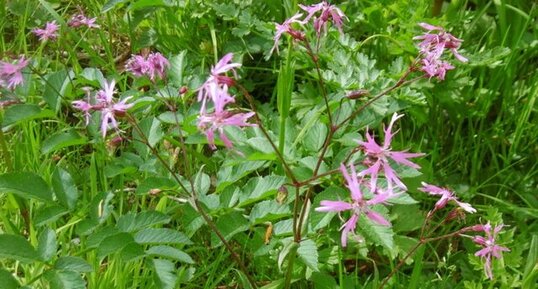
(432,48)
(320,14)
(152,66)
(80,19)
(11,73)
(490,247)
(105,104)
(215,89)
(50,32)
(446,196)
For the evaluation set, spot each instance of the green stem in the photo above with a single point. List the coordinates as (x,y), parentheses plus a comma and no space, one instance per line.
(291,260)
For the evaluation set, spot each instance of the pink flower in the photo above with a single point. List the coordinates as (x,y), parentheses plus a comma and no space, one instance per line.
(212,86)
(106,105)
(80,19)
(377,158)
(432,48)
(11,73)
(286,28)
(220,118)
(446,196)
(357,206)
(327,12)
(49,32)
(154,65)
(490,247)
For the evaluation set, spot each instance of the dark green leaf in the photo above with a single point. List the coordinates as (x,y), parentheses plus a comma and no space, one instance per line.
(49,214)
(177,64)
(165,271)
(7,281)
(170,252)
(47,245)
(161,236)
(65,280)
(111,4)
(133,222)
(308,253)
(65,188)
(113,244)
(61,140)
(18,248)
(24,112)
(56,85)
(229,225)
(70,263)
(27,185)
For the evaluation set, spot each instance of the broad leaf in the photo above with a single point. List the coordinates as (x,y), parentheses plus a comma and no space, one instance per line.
(229,225)
(24,112)
(161,236)
(65,188)
(133,222)
(18,248)
(56,85)
(47,245)
(170,252)
(260,188)
(308,254)
(49,214)
(7,281)
(165,272)
(70,263)
(27,185)
(61,140)
(65,280)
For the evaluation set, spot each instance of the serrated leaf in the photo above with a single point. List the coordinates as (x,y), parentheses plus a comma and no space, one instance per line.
(7,281)
(288,246)
(111,4)
(49,214)
(308,254)
(24,112)
(56,84)
(268,210)
(47,245)
(229,225)
(177,65)
(259,188)
(27,185)
(62,140)
(152,183)
(113,244)
(132,251)
(65,280)
(71,263)
(315,137)
(170,252)
(161,236)
(323,281)
(165,271)
(378,234)
(18,248)
(131,222)
(65,188)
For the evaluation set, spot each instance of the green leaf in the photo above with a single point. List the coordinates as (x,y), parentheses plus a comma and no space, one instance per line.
(153,183)
(229,225)
(308,254)
(24,112)
(132,251)
(260,188)
(94,75)
(378,234)
(131,222)
(530,275)
(141,4)
(165,273)
(56,85)
(319,220)
(111,4)
(170,252)
(70,263)
(161,236)
(315,137)
(27,185)
(323,281)
(65,280)
(65,188)
(49,214)
(47,245)
(7,281)
(62,140)
(18,248)
(228,175)
(113,244)
(177,65)
(269,210)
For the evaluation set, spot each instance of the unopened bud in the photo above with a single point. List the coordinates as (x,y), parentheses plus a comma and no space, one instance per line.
(183,90)
(358,94)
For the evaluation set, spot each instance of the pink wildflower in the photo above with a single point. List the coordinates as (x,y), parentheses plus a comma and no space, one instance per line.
(210,88)
(327,12)
(11,73)
(432,48)
(154,65)
(446,196)
(377,158)
(49,32)
(490,247)
(80,19)
(106,105)
(357,206)
(220,118)
(286,28)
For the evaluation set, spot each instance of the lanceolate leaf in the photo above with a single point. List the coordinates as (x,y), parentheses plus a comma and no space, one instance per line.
(47,245)
(27,185)
(65,280)
(7,281)
(71,263)
(65,188)
(165,272)
(170,252)
(161,236)
(134,222)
